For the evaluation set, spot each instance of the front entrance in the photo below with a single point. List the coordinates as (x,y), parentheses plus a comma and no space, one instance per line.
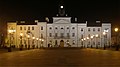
(61,43)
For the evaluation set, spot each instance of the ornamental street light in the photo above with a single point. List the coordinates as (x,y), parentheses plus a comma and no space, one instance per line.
(96,40)
(10,32)
(104,33)
(28,41)
(91,40)
(37,41)
(117,45)
(33,45)
(21,46)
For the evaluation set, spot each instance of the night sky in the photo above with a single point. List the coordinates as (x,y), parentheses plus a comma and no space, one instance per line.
(104,10)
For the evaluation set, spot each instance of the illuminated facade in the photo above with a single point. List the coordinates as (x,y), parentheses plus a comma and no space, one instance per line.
(62,32)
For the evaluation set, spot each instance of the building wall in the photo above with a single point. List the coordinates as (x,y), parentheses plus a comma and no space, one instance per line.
(61,31)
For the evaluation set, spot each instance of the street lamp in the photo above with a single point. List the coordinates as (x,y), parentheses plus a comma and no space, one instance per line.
(37,41)
(21,46)
(91,40)
(104,33)
(33,42)
(87,41)
(28,42)
(42,42)
(10,32)
(96,40)
(117,45)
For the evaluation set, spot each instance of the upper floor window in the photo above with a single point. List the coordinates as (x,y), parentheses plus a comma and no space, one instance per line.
(89,29)
(32,28)
(98,29)
(68,35)
(41,35)
(24,28)
(56,34)
(62,34)
(81,29)
(56,28)
(42,28)
(93,29)
(67,27)
(50,34)
(50,28)
(73,34)
(62,28)
(73,27)
(20,28)
(28,28)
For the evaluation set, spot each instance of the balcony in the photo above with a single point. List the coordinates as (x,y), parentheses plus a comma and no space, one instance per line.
(61,37)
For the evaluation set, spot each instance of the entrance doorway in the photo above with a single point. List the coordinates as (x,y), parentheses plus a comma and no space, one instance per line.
(61,43)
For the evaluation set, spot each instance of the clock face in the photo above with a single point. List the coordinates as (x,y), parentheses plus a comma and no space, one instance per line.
(61,7)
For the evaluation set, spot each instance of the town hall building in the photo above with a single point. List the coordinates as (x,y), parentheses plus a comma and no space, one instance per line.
(62,32)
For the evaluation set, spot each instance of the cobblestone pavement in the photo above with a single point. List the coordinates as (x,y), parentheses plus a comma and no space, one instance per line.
(61,58)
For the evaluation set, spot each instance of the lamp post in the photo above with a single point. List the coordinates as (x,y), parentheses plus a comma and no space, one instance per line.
(91,40)
(21,46)
(28,42)
(42,42)
(37,41)
(117,45)
(84,41)
(96,41)
(33,45)
(87,41)
(10,32)
(104,40)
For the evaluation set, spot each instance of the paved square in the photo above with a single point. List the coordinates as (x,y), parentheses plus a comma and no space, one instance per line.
(62,57)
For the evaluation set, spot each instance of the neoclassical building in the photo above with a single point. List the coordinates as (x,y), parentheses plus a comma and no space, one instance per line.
(61,32)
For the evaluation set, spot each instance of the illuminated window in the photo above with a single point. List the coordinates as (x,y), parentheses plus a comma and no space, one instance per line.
(42,28)
(28,28)
(20,28)
(32,28)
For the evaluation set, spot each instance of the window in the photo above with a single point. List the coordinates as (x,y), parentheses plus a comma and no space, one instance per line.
(50,28)
(24,28)
(67,27)
(73,27)
(73,34)
(89,29)
(98,29)
(93,29)
(82,36)
(50,34)
(56,28)
(41,28)
(28,28)
(73,42)
(62,34)
(41,35)
(32,28)
(61,28)
(81,29)
(68,35)
(89,35)
(20,28)
(56,34)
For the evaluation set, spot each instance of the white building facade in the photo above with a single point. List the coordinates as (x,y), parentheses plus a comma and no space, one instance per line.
(62,32)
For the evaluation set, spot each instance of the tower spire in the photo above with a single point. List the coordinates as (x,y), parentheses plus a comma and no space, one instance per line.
(61,9)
